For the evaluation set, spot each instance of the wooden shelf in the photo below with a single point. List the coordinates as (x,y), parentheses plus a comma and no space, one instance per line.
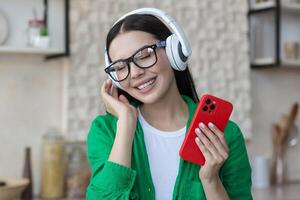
(30,50)
(57,20)
(270,31)
(290,62)
(263,61)
(263,6)
(291,6)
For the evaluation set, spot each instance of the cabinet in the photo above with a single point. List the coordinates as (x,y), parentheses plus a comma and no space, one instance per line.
(18,13)
(274,33)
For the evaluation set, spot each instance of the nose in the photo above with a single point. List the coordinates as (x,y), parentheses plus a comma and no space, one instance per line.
(135,71)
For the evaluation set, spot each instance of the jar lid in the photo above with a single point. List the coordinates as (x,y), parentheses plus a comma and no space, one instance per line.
(36,22)
(53,134)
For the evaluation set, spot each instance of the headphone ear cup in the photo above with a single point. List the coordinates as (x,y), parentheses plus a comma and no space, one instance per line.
(174,52)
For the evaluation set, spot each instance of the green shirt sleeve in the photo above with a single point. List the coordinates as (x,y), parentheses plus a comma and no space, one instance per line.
(109,180)
(236,171)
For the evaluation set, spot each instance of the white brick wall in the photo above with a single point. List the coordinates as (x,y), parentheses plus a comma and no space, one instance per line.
(219,63)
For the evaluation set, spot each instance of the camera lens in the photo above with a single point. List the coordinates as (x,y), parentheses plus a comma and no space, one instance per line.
(207,101)
(205,108)
(212,106)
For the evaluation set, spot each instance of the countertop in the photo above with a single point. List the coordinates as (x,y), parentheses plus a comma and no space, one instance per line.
(289,191)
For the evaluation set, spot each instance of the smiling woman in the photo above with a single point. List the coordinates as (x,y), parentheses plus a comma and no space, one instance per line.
(150,100)
(143,71)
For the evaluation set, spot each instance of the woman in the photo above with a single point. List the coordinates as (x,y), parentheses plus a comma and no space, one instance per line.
(133,149)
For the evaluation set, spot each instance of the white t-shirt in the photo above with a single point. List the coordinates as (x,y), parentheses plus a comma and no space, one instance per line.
(163,155)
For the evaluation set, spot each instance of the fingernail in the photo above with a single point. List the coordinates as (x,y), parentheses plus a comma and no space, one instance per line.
(197,130)
(197,139)
(202,125)
(211,125)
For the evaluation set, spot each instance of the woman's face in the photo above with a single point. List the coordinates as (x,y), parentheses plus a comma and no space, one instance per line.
(147,85)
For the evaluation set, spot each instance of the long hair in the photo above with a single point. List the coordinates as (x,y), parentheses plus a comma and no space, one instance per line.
(152,25)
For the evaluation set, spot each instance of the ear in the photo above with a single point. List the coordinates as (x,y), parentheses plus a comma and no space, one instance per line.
(174,52)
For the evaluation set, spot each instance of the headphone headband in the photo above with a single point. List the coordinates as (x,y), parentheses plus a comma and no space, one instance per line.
(168,21)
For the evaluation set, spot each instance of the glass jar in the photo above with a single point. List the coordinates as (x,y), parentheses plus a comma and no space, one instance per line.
(77,172)
(35,27)
(52,173)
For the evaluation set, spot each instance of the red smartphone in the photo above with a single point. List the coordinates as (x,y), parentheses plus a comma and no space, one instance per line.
(210,109)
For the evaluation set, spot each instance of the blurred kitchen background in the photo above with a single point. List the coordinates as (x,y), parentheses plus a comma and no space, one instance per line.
(51,69)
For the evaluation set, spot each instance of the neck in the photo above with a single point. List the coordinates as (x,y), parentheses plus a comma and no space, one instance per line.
(169,113)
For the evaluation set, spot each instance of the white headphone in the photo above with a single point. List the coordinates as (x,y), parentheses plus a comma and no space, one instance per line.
(178,48)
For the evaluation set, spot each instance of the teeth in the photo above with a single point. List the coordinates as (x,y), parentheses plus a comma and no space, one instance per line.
(146,84)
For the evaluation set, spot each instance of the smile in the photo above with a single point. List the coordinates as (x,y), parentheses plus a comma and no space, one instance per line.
(146,84)
(146,87)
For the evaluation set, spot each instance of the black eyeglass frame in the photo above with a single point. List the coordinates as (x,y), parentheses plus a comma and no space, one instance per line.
(160,44)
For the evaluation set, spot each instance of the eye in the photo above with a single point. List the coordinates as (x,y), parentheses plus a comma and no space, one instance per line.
(119,66)
(144,53)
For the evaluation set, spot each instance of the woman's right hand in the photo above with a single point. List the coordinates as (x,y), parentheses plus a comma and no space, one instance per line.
(126,124)
(117,105)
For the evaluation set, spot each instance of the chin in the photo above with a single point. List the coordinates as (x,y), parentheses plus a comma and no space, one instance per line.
(146,99)
(152,97)
(149,100)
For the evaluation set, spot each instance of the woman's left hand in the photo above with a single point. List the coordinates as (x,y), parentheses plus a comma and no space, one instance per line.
(212,144)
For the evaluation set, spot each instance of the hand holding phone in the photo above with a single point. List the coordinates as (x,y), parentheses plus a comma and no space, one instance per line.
(210,109)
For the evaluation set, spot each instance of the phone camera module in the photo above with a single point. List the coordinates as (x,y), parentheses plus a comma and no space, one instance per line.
(207,101)
(205,108)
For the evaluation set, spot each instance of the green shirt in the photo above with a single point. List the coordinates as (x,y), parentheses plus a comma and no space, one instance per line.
(114,181)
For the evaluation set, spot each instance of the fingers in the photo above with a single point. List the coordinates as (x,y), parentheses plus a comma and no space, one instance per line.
(203,149)
(214,141)
(114,91)
(108,89)
(219,134)
(116,105)
(111,89)
(105,88)
(208,144)
(123,99)
(108,99)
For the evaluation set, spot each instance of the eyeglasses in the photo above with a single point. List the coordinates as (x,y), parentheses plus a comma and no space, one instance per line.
(144,57)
